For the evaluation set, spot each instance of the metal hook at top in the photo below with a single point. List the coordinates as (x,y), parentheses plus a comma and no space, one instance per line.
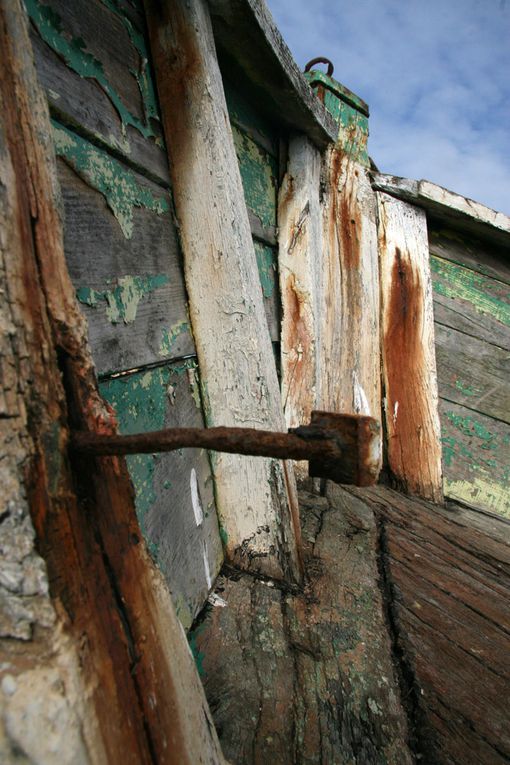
(320,60)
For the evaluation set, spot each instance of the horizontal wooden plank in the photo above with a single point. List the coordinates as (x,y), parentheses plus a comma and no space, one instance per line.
(473,373)
(476,458)
(246,30)
(174,491)
(246,115)
(472,253)
(448,208)
(92,59)
(130,287)
(471,302)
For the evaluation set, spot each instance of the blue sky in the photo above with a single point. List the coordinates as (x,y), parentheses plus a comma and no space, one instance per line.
(436,75)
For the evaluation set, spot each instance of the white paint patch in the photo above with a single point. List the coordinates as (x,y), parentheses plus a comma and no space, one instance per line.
(360,401)
(195,498)
(216,601)
(206,566)
(395,413)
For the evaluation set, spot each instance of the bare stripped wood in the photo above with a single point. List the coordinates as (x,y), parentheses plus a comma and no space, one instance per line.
(144,695)
(476,254)
(238,374)
(408,355)
(448,574)
(454,210)
(300,267)
(350,290)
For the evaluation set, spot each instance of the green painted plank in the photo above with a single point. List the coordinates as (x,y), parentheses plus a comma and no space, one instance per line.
(483,257)
(259,174)
(248,118)
(476,458)
(174,491)
(267,262)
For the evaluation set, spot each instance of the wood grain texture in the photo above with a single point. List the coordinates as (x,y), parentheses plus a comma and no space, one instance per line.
(478,255)
(476,456)
(239,381)
(350,378)
(131,290)
(92,59)
(307,676)
(300,267)
(173,492)
(246,30)
(447,208)
(408,354)
(473,373)
(448,574)
(109,594)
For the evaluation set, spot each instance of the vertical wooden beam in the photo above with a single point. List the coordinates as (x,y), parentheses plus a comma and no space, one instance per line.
(143,701)
(408,353)
(350,339)
(240,386)
(300,268)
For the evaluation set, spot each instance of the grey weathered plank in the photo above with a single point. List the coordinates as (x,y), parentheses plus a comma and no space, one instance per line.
(131,289)
(476,458)
(246,30)
(93,62)
(473,373)
(472,253)
(471,302)
(174,491)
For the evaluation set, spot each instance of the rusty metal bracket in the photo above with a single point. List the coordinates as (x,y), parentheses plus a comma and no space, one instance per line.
(341,447)
(320,60)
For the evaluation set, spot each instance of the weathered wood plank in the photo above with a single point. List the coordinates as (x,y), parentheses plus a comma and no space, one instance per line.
(448,208)
(239,381)
(93,61)
(246,114)
(174,493)
(123,257)
(246,31)
(472,253)
(111,601)
(476,455)
(300,270)
(408,355)
(350,377)
(308,676)
(451,622)
(471,302)
(473,373)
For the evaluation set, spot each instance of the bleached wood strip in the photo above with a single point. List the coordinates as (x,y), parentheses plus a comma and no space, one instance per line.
(473,217)
(239,380)
(350,289)
(408,353)
(300,264)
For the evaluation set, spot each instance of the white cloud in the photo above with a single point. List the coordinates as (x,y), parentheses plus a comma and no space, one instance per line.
(436,77)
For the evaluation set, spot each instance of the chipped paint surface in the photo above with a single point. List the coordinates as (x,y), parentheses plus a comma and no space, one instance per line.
(488,296)
(122,300)
(266,262)
(74,52)
(171,335)
(118,185)
(258,174)
(480,493)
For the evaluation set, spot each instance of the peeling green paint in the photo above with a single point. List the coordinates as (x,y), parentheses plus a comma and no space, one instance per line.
(486,295)
(122,300)
(119,186)
(73,51)
(266,262)
(259,172)
(466,389)
(198,655)
(171,335)
(469,426)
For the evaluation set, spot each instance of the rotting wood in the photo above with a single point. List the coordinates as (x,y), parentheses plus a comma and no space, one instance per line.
(350,340)
(408,355)
(300,266)
(238,374)
(111,598)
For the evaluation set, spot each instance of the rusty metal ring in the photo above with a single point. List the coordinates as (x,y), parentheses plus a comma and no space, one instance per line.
(320,60)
